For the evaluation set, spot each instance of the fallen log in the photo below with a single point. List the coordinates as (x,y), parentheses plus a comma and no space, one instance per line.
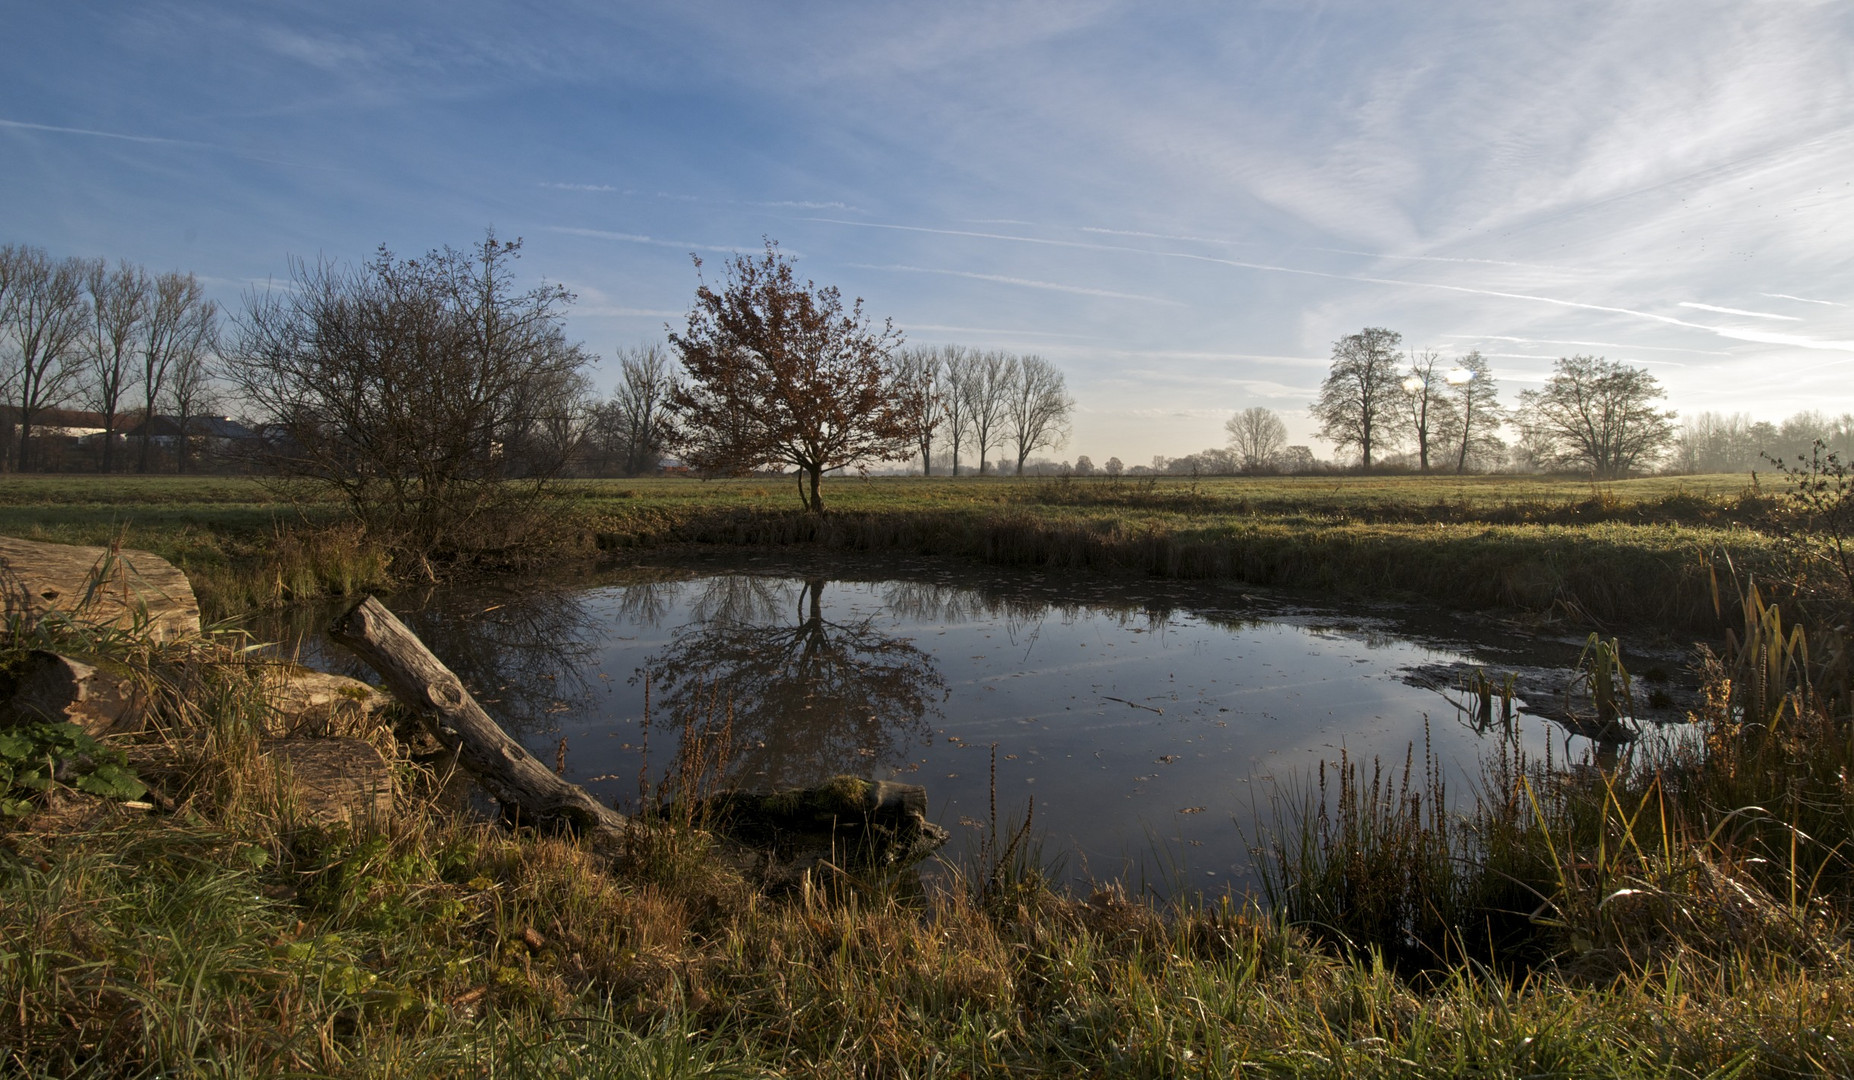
(111,587)
(875,823)
(528,790)
(103,700)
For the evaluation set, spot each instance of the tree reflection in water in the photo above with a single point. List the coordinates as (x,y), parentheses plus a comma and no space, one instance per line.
(809,697)
(523,653)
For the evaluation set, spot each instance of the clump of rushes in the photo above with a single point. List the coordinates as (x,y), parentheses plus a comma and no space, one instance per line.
(1724,849)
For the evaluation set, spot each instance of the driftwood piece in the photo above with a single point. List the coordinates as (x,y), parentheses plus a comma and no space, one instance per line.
(103,700)
(335,781)
(515,778)
(99,586)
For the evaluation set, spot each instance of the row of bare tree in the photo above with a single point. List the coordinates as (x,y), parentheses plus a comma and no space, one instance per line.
(1592,415)
(979,401)
(113,340)
(962,400)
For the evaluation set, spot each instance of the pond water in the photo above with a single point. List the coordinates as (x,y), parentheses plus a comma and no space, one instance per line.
(1150,722)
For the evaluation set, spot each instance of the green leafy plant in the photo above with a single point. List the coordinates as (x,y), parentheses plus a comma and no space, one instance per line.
(1612,690)
(36,755)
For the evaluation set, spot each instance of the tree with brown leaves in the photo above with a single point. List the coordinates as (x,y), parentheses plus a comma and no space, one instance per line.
(779,373)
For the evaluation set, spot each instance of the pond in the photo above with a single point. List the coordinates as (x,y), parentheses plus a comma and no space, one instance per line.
(1150,724)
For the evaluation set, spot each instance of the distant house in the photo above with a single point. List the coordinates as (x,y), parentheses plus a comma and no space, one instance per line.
(218,432)
(58,423)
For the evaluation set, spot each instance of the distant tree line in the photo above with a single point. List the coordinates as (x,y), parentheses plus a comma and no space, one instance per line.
(110,368)
(93,355)
(1413,410)
(1720,442)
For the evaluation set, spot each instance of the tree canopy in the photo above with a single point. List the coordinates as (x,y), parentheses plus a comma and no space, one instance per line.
(1256,438)
(1598,415)
(779,373)
(1361,399)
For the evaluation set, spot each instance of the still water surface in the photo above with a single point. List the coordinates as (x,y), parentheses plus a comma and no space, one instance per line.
(1149,721)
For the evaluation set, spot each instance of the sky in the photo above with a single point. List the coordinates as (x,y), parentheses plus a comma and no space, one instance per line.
(1181,205)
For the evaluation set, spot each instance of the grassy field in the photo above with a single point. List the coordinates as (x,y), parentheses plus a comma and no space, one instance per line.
(1626,552)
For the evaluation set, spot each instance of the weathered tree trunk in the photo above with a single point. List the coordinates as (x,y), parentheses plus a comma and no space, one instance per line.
(99,586)
(526,788)
(46,686)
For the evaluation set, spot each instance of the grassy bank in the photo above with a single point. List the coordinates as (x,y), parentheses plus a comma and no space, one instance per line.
(1637,921)
(1627,552)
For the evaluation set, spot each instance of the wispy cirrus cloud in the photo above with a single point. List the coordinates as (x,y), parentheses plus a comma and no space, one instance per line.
(1737,311)
(1733,333)
(652,241)
(621,312)
(985,331)
(1582,344)
(22,125)
(685,197)
(1027,283)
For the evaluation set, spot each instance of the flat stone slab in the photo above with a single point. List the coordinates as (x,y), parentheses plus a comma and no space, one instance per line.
(122,588)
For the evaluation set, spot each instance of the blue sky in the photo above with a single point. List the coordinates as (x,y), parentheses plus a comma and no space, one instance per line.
(1182,205)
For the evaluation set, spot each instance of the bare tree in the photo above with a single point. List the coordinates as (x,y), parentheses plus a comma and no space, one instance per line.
(1426,404)
(43,332)
(190,378)
(1037,412)
(1470,424)
(1598,415)
(921,374)
(12,258)
(779,373)
(1113,467)
(962,370)
(635,422)
(559,410)
(1711,442)
(988,395)
(412,387)
(178,315)
(118,305)
(1256,436)
(1359,402)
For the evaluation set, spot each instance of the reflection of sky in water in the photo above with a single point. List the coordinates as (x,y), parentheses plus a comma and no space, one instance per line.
(1150,722)
(1131,731)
